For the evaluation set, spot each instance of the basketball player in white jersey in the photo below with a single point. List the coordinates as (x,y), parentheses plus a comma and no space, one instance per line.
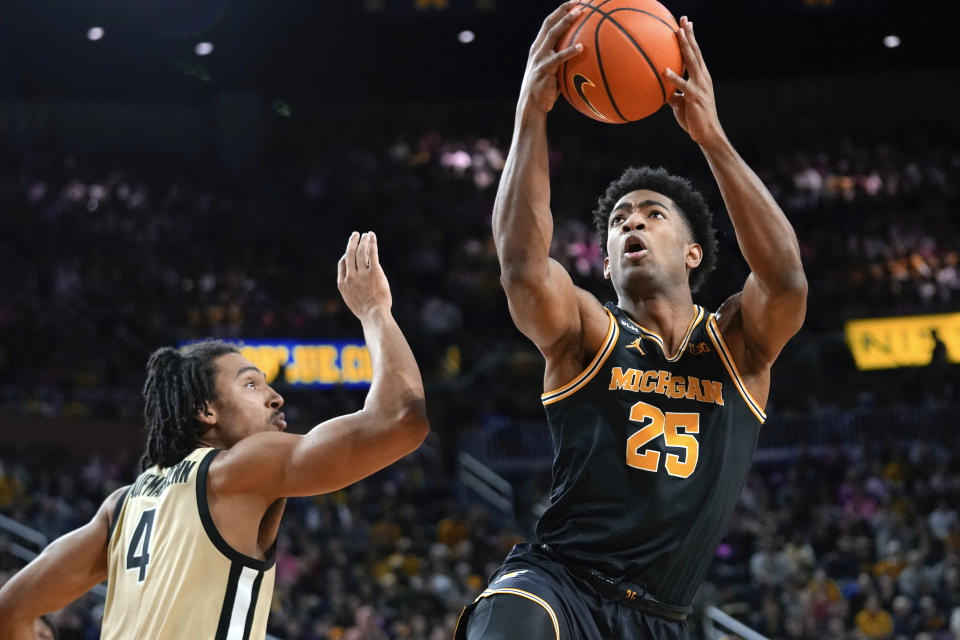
(188,549)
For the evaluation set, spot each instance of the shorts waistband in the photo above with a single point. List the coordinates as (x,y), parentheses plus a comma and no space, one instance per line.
(630,593)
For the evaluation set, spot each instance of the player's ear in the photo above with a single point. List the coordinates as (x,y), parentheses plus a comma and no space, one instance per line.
(694,255)
(606,268)
(207,415)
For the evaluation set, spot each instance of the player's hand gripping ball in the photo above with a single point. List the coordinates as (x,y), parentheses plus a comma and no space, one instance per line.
(627,47)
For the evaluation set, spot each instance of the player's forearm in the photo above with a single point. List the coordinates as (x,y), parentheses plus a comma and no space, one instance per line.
(522,222)
(396,390)
(63,572)
(766,238)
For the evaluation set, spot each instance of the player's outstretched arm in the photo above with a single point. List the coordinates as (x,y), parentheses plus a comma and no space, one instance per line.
(773,303)
(69,567)
(337,453)
(540,292)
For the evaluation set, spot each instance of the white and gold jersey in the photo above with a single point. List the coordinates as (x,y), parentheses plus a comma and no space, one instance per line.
(171,576)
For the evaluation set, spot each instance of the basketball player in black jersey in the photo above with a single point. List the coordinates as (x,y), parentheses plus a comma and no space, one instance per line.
(654,404)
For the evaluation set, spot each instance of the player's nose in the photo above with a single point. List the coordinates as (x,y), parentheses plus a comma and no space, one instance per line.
(634,222)
(276,400)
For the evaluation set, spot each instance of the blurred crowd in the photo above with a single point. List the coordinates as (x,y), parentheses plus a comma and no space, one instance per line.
(111,255)
(860,542)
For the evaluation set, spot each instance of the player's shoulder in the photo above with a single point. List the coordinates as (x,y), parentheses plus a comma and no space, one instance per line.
(110,507)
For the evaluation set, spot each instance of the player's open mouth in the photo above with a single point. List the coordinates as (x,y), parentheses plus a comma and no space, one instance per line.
(634,249)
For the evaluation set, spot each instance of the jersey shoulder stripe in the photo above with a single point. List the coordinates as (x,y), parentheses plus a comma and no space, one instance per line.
(117,510)
(613,332)
(210,528)
(714,331)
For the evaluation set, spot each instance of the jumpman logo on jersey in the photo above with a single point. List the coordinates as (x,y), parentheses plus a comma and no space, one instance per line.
(507,576)
(636,345)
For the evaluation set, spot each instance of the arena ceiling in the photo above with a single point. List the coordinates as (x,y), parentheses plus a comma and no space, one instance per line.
(412,49)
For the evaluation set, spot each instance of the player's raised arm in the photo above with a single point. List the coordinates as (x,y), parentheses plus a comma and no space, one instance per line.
(336,453)
(773,303)
(541,294)
(69,567)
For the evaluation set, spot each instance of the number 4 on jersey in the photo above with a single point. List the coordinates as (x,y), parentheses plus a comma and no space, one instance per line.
(668,426)
(141,542)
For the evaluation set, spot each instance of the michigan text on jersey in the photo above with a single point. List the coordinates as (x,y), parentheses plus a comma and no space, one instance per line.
(669,385)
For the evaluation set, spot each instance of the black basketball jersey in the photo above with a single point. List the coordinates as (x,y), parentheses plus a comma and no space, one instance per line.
(650,454)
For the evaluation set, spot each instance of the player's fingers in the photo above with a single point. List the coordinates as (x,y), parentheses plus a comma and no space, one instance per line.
(686,50)
(692,57)
(362,251)
(678,81)
(374,251)
(551,64)
(556,31)
(341,269)
(551,20)
(350,257)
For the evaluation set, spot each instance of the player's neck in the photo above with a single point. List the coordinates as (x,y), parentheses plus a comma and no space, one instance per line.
(667,316)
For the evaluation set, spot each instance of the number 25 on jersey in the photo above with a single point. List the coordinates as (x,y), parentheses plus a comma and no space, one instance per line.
(675,429)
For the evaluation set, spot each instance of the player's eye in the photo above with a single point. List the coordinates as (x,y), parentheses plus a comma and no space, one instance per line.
(615,219)
(657,213)
(251,384)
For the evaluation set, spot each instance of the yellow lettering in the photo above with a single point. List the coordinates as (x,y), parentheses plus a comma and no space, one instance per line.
(355,364)
(663,381)
(314,364)
(621,380)
(693,389)
(678,386)
(713,392)
(267,358)
(647,384)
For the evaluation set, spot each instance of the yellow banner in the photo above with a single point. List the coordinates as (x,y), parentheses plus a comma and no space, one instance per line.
(907,341)
(320,364)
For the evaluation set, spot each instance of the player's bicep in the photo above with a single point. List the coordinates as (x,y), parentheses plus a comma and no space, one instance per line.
(330,456)
(544,305)
(770,317)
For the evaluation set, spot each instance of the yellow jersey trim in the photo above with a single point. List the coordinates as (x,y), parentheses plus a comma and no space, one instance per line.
(698,314)
(714,332)
(529,596)
(613,332)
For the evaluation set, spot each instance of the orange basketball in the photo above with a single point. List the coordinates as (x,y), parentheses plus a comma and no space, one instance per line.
(627,47)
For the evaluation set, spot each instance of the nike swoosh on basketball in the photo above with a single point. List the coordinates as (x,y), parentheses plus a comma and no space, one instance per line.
(578,81)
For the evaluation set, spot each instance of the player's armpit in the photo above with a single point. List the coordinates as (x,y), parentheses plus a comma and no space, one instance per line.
(772,314)
(69,567)
(330,456)
(761,320)
(553,312)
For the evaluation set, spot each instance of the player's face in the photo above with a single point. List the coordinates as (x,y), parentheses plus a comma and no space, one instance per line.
(648,242)
(245,404)
(41,631)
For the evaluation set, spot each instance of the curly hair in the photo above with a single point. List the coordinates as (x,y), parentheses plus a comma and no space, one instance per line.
(180,383)
(689,201)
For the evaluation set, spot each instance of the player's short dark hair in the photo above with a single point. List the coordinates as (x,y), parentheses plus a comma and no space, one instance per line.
(694,208)
(180,384)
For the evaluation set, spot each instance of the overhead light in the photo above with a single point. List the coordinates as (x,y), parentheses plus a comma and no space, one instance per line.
(891,42)
(466,37)
(203,48)
(94,33)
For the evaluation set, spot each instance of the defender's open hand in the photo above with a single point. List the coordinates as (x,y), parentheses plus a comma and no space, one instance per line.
(361,280)
(540,87)
(695,108)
